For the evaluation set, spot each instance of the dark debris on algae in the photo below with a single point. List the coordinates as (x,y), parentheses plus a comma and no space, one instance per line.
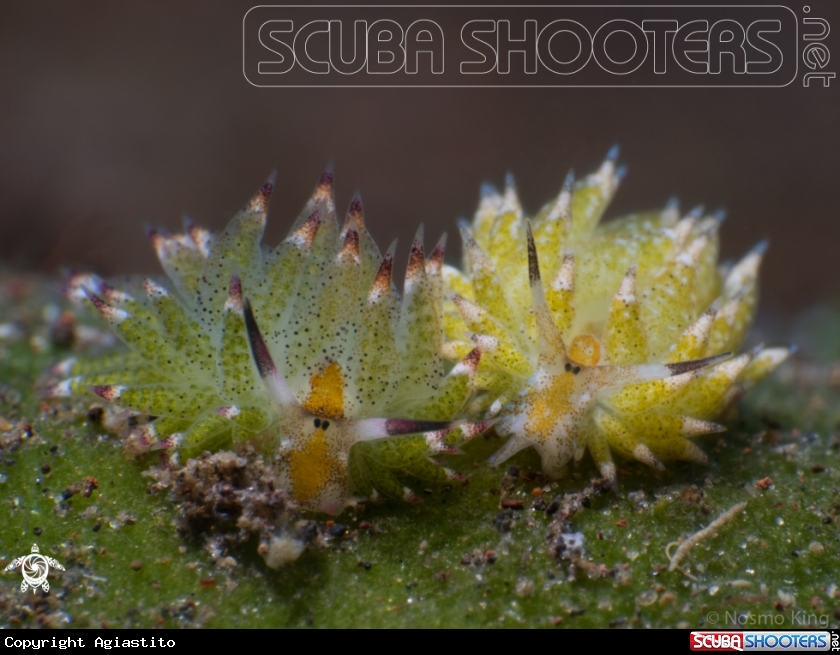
(217,544)
(228,498)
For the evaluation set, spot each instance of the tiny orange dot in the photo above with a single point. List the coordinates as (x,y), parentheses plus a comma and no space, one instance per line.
(585,350)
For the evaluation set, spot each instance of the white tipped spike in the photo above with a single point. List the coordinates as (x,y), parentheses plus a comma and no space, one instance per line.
(110,392)
(513,446)
(620,174)
(63,367)
(774,356)
(434,265)
(697,212)
(692,453)
(454,350)
(644,455)
(677,382)
(78,282)
(468,365)
(694,427)
(453,475)
(154,290)
(607,173)
(381,287)
(732,369)
(471,430)
(477,259)
(510,200)
(111,314)
(608,471)
(495,408)
(203,239)
(671,213)
(698,331)
(489,194)
(349,251)
(562,209)
(709,226)
(485,343)
(303,237)
(744,271)
(61,389)
(691,255)
(712,310)
(436,444)
(701,328)
(228,412)
(468,310)
(730,309)
(682,231)
(565,278)
(114,296)
(354,219)
(416,270)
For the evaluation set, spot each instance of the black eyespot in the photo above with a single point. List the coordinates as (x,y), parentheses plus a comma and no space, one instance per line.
(568,367)
(317,423)
(325,424)
(576,370)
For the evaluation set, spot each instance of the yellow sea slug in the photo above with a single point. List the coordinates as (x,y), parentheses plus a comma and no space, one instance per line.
(601,337)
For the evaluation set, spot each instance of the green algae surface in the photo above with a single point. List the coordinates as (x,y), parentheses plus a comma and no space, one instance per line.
(457,560)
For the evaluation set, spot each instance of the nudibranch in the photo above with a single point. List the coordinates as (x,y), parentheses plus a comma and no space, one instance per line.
(306,351)
(601,337)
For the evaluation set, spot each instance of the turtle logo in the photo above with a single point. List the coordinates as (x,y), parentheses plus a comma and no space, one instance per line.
(35,568)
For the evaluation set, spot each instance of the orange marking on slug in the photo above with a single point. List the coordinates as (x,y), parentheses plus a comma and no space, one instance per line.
(548,405)
(310,468)
(585,350)
(327,396)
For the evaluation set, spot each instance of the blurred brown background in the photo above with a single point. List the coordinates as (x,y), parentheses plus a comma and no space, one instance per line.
(116,114)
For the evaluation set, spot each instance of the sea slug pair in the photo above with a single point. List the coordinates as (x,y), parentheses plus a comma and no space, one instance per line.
(561,333)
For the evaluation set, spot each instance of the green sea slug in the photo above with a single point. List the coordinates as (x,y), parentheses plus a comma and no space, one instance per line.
(305,351)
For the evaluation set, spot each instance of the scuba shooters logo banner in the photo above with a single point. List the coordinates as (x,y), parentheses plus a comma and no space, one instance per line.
(535,46)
